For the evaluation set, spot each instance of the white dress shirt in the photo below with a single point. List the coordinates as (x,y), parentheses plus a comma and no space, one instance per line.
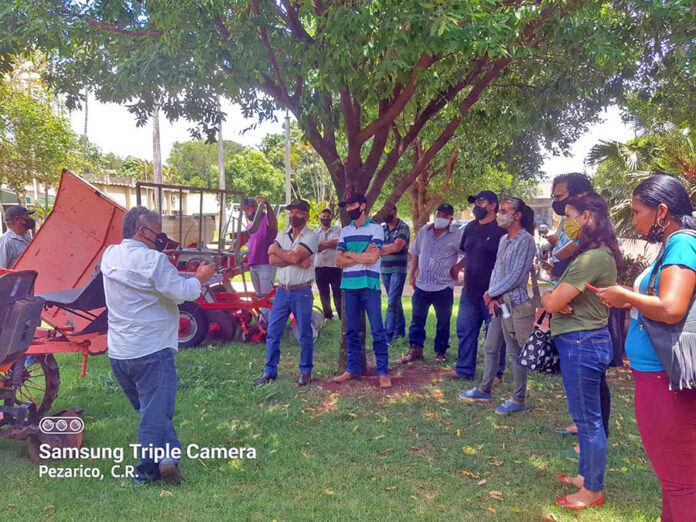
(142,291)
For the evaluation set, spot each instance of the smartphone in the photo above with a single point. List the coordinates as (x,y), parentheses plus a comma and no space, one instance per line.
(593,288)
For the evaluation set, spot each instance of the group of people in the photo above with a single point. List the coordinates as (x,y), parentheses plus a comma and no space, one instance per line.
(497,250)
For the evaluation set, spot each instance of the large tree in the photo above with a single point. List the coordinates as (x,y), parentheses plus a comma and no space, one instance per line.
(364,79)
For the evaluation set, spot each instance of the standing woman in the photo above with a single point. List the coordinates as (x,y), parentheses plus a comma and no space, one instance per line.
(666,418)
(579,329)
(508,288)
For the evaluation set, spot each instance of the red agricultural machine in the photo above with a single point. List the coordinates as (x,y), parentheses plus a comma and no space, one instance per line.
(57,282)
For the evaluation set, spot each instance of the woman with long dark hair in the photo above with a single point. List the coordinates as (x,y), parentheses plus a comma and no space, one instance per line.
(579,329)
(666,418)
(508,302)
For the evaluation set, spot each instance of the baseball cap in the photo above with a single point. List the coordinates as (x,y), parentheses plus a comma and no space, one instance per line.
(299,204)
(446,208)
(352,197)
(249,202)
(488,195)
(17,211)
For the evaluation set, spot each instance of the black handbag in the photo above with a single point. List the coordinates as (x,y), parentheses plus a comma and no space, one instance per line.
(674,344)
(539,353)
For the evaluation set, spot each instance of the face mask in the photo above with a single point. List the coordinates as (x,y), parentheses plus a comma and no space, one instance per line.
(571,227)
(389,219)
(297,221)
(480,213)
(355,213)
(656,234)
(441,223)
(559,207)
(250,217)
(29,223)
(326,222)
(504,221)
(161,240)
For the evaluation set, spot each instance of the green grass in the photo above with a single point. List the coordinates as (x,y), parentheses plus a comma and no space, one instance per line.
(364,456)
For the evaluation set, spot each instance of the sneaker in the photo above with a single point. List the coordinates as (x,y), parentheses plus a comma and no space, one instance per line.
(440,357)
(474,394)
(509,406)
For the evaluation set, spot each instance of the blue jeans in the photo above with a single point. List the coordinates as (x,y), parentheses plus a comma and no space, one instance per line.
(354,302)
(472,314)
(442,301)
(299,302)
(149,382)
(585,356)
(394,322)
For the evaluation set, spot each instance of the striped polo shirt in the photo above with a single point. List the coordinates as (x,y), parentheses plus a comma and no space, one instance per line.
(356,239)
(398,261)
(436,257)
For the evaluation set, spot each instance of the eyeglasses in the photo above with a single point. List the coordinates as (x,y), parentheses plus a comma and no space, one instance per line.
(561,196)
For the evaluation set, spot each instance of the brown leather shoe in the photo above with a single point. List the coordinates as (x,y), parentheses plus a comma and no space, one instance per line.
(344,377)
(384,381)
(415,353)
(170,473)
(496,381)
(305,379)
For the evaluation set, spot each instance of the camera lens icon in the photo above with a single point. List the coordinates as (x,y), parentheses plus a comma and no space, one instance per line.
(61,425)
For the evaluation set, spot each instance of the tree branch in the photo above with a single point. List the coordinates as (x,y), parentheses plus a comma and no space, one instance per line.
(111,28)
(293,21)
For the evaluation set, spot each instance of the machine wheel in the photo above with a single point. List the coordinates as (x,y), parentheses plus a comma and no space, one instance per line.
(193,325)
(40,382)
(317,321)
(226,324)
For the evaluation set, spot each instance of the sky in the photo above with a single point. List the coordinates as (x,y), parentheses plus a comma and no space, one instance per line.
(113,129)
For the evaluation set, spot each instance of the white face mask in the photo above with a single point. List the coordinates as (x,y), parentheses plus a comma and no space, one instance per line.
(441,222)
(504,221)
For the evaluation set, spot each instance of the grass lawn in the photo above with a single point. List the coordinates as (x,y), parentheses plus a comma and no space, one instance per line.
(418,454)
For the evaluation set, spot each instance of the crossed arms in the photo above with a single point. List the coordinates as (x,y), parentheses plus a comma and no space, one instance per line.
(301,256)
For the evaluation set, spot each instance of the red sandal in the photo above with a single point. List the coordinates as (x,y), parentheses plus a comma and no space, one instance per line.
(563,502)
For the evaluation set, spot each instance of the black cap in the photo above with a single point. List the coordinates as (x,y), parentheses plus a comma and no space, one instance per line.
(446,208)
(488,195)
(352,197)
(299,204)
(17,211)
(249,202)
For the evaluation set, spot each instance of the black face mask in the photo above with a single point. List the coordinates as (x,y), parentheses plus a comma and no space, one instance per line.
(559,207)
(161,240)
(297,221)
(326,222)
(29,223)
(656,234)
(355,213)
(389,218)
(480,213)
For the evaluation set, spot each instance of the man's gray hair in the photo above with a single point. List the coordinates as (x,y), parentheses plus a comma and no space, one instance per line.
(137,217)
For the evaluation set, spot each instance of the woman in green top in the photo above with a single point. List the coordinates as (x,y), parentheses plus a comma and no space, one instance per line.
(579,329)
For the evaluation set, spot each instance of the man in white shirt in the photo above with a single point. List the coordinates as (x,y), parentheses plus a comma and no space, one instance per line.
(327,273)
(142,290)
(293,253)
(15,240)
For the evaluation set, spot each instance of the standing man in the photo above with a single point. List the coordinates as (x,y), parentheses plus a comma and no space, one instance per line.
(16,239)
(434,252)
(262,230)
(293,253)
(327,273)
(142,290)
(358,254)
(394,266)
(479,244)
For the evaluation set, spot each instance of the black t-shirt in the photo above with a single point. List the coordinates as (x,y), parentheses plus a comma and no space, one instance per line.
(480,247)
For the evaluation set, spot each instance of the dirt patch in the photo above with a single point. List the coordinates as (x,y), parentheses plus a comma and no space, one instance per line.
(409,377)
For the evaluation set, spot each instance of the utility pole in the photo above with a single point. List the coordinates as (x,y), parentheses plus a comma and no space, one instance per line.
(84,135)
(287,158)
(221,174)
(156,157)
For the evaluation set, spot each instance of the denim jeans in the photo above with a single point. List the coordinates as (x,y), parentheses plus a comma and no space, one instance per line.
(329,281)
(262,279)
(394,322)
(442,301)
(354,302)
(472,314)
(585,356)
(299,302)
(149,382)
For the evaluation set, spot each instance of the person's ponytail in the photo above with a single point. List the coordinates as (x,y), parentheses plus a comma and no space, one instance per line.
(527,220)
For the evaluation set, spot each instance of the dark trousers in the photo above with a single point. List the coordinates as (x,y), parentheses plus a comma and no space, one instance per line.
(329,281)
(394,322)
(149,382)
(421,301)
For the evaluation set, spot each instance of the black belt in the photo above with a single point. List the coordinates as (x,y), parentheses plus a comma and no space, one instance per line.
(295,287)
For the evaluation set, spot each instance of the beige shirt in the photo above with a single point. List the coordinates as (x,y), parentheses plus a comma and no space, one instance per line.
(295,275)
(327,257)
